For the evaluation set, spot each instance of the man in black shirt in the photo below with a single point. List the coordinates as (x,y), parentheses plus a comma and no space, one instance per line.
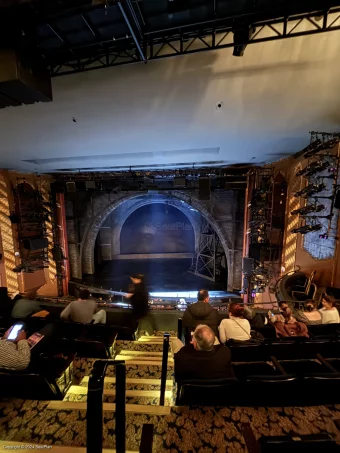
(201,359)
(201,312)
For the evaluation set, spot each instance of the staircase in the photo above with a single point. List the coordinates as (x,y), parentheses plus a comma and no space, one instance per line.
(143,359)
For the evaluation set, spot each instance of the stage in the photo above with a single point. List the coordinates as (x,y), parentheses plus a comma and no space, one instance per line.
(162,275)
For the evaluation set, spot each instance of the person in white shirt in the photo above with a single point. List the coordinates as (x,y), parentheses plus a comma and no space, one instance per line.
(236,327)
(329,314)
(15,355)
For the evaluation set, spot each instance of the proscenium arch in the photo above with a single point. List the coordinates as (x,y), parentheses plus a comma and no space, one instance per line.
(191,238)
(92,228)
(143,201)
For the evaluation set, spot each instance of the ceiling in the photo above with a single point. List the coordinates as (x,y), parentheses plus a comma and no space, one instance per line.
(164,113)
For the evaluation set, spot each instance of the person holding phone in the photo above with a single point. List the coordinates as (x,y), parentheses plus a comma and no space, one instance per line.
(15,353)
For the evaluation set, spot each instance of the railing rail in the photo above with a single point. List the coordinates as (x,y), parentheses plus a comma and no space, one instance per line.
(166,342)
(180,328)
(94,416)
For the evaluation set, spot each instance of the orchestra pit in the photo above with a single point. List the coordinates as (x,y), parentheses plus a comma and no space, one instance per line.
(169,226)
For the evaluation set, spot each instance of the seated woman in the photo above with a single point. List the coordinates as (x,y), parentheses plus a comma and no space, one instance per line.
(309,315)
(329,313)
(236,327)
(290,327)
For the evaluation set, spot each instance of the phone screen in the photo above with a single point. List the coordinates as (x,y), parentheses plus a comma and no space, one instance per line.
(14,331)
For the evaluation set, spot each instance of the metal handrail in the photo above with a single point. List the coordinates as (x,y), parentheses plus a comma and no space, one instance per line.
(166,342)
(94,416)
(179,328)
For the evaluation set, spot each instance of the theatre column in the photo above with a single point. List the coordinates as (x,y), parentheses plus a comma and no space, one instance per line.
(7,239)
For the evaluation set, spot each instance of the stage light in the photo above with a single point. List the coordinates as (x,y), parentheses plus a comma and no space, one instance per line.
(308,148)
(242,36)
(310,190)
(314,167)
(308,209)
(307,229)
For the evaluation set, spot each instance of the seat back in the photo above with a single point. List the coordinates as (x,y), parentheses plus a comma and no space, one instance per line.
(26,385)
(320,330)
(212,392)
(91,348)
(247,352)
(314,443)
(294,349)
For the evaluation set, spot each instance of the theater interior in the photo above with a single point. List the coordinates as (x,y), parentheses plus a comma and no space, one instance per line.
(192,142)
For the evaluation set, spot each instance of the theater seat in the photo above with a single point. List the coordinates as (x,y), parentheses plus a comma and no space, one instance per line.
(85,347)
(28,385)
(293,349)
(302,368)
(246,352)
(314,443)
(325,330)
(244,371)
(212,392)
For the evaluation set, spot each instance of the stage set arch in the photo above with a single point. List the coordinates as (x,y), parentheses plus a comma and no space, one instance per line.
(135,227)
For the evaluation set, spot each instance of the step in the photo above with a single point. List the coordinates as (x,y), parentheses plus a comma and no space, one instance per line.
(154,338)
(79,390)
(133,383)
(129,358)
(6,445)
(140,346)
(142,353)
(111,407)
(78,393)
(112,380)
(142,361)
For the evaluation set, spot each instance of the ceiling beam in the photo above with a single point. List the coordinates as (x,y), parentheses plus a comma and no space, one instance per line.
(129,25)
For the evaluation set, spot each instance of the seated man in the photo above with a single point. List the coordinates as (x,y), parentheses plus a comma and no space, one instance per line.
(25,305)
(15,354)
(201,359)
(201,312)
(83,310)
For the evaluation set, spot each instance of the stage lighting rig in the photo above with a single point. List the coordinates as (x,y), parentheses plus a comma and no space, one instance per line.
(242,35)
(310,190)
(308,209)
(313,168)
(311,147)
(307,229)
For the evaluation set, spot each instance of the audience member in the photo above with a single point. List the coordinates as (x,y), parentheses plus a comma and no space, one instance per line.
(236,327)
(201,359)
(83,310)
(139,299)
(201,312)
(283,305)
(256,320)
(329,313)
(309,315)
(25,305)
(290,327)
(15,354)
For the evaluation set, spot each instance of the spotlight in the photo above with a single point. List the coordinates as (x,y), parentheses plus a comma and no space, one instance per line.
(330,143)
(307,229)
(313,168)
(242,36)
(309,190)
(308,148)
(308,209)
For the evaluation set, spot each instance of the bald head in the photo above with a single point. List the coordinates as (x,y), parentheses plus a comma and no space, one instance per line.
(204,338)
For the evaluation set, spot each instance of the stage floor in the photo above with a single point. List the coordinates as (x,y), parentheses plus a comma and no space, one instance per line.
(162,275)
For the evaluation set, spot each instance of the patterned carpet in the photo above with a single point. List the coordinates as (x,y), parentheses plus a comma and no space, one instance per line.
(186,430)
